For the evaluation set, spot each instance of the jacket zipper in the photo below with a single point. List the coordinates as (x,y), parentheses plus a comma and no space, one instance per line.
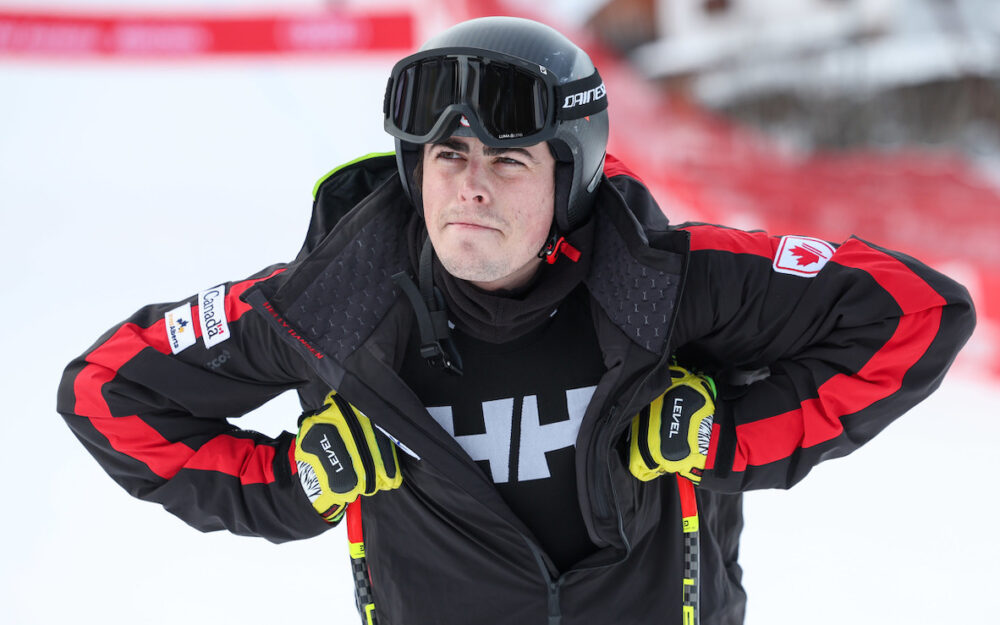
(609,426)
(553,586)
(602,503)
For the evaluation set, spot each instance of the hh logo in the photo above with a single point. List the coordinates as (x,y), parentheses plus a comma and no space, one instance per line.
(495,444)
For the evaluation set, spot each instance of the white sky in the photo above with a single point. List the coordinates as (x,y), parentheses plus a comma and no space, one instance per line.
(126,183)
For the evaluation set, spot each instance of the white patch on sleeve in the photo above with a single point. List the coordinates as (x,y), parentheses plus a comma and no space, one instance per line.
(212,315)
(802,256)
(180,330)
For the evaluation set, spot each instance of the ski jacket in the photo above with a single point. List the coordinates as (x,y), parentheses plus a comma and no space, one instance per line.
(816,347)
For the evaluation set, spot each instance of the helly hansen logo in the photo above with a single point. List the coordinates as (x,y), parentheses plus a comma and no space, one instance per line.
(212,313)
(502,418)
(585,97)
(291,331)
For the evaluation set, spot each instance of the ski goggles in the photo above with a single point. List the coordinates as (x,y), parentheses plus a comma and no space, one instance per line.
(504,100)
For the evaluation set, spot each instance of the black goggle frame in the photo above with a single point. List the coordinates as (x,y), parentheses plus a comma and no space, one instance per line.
(506,101)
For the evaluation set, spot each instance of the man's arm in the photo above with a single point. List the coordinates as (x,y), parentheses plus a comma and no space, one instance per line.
(150,401)
(843,351)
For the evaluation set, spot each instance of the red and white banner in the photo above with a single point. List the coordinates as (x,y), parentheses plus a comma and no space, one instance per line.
(23,34)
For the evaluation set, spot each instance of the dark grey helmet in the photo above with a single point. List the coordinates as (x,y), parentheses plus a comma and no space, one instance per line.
(578,142)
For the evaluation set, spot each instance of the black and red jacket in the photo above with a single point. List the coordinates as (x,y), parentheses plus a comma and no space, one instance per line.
(815,347)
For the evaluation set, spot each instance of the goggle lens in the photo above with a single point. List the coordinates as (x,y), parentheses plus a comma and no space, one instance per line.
(422,93)
(508,101)
(512,102)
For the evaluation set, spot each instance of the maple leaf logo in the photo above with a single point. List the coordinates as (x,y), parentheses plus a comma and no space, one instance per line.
(806,254)
(802,256)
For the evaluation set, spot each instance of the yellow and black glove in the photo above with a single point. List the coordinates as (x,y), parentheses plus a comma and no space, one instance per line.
(672,434)
(341,456)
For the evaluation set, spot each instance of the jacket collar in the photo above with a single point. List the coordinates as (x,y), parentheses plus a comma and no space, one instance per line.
(337,294)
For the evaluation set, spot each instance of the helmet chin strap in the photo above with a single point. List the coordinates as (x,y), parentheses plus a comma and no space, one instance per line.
(555,245)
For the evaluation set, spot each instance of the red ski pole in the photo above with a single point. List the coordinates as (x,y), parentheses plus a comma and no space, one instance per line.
(689,519)
(359,565)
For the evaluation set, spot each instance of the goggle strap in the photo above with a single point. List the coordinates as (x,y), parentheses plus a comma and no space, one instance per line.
(581,98)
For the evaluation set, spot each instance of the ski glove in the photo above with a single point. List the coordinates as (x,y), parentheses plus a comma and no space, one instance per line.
(672,434)
(340,456)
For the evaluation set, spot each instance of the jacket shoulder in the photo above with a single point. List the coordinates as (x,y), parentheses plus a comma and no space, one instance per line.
(634,194)
(637,264)
(341,189)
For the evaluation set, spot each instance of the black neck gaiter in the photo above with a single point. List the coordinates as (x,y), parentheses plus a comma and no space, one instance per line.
(501,316)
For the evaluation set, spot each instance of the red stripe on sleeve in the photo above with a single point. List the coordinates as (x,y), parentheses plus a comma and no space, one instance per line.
(134,437)
(254,464)
(910,292)
(819,420)
(707,237)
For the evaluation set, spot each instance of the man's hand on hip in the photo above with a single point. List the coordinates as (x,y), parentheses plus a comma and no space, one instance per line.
(341,456)
(672,434)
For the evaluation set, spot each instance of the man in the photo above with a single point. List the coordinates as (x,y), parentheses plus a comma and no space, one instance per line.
(557,366)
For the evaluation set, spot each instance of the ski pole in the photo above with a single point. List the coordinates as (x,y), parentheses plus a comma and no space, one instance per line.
(692,575)
(359,565)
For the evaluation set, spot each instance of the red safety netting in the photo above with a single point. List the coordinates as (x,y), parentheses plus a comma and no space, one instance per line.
(173,35)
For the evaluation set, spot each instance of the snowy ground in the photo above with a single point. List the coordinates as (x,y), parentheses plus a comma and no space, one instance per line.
(127,183)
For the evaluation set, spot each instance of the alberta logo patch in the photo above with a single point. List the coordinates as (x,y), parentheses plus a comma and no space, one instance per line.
(212,314)
(802,256)
(180,330)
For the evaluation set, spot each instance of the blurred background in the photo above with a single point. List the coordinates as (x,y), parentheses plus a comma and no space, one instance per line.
(150,149)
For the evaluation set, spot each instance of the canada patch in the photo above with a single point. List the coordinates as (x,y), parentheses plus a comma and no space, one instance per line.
(212,314)
(180,330)
(802,256)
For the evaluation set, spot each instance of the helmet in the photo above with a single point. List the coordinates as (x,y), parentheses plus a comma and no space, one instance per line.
(510,82)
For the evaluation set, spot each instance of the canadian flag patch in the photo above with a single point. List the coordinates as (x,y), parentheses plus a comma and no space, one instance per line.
(802,256)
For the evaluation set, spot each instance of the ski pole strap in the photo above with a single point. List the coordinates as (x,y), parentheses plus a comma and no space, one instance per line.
(689,525)
(359,565)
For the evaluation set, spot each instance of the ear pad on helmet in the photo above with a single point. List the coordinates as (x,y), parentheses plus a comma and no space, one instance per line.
(411,156)
(565,222)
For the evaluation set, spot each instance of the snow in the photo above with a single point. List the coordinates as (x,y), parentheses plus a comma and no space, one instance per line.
(124,183)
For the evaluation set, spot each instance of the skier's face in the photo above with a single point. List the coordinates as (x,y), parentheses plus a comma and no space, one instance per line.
(488,210)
